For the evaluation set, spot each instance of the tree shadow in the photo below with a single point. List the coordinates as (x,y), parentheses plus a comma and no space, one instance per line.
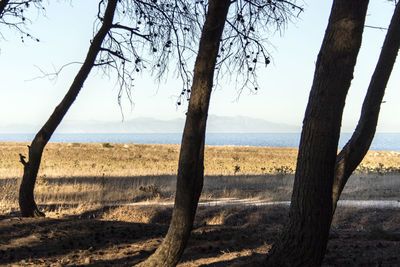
(92,239)
(11,214)
(45,238)
(164,179)
(240,231)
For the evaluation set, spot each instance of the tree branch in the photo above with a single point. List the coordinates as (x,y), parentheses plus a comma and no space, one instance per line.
(114,53)
(22,160)
(131,30)
(375,27)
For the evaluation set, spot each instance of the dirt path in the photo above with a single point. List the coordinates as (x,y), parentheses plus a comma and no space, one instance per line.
(224,202)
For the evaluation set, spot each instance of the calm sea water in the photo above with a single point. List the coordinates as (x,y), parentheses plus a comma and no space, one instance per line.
(382,141)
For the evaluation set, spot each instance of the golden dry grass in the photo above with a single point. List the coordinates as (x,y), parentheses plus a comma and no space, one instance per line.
(96,173)
(98,159)
(123,160)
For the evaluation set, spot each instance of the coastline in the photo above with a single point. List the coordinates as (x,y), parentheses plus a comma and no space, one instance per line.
(382,141)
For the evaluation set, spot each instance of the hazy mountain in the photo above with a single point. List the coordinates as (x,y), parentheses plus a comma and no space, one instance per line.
(138,125)
(215,124)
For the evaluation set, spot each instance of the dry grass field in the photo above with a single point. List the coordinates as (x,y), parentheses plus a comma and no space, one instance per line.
(85,188)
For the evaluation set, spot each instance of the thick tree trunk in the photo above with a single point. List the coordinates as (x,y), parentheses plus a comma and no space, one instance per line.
(358,145)
(3,4)
(191,158)
(303,242)
(26,197)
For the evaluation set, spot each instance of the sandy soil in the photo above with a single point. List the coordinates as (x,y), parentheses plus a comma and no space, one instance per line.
(222,236)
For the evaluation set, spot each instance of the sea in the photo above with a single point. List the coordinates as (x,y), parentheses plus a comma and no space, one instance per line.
(382,141)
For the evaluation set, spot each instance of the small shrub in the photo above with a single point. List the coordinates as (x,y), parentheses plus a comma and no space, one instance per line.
(282,170)
(152,189)
(107,145)
(237,169)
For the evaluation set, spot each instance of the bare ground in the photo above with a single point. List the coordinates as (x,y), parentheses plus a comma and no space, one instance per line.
(123,236)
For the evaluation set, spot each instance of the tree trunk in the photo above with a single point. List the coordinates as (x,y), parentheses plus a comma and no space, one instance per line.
(3,4)
(26,197)
(358,145)
(191,158)
(303,242)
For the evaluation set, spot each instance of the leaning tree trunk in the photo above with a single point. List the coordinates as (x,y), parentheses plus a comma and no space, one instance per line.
(356,148)
(26,197)
(3,4)
(303,242)
(191,158)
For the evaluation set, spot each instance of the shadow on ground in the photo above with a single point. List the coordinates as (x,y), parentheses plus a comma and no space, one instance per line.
(222,236)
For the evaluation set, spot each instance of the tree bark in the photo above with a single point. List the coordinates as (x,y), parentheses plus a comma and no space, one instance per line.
(358,145)
(191,158)
(3,4)
(27,203)
(303,242)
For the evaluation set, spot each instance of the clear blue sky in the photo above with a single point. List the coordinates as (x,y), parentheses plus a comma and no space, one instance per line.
(284,85)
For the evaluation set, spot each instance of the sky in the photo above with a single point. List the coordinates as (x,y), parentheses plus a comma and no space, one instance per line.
(67,27)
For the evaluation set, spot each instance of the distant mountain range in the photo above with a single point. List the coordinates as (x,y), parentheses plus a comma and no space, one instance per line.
(215,124)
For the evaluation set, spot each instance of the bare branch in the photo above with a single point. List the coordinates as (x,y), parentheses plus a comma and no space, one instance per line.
(52,75)
(158,36)
(12,16)
(375,27)
(22,160)
(114,53)
(131,30)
